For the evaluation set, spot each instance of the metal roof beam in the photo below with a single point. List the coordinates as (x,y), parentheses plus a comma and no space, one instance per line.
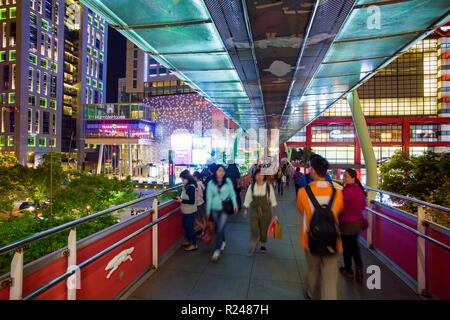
(163,25)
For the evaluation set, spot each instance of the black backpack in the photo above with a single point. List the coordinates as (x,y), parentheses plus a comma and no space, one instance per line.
(323,228)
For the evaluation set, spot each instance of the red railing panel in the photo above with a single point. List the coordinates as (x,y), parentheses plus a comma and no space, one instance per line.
(397,243)
(438,264)
(94,282)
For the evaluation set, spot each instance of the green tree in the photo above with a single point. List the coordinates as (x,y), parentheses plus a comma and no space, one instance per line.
(302,155)
(84,194)
(44,181)
(10,189)
(425,177)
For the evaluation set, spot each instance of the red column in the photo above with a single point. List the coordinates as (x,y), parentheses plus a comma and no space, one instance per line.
(406,137)
(308,136)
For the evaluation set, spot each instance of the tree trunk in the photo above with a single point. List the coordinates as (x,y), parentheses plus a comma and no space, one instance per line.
(36,205)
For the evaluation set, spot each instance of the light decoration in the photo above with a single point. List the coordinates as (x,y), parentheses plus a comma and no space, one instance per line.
(186,112)
(181,111)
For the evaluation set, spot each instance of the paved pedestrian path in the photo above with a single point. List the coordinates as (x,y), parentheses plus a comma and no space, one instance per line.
(278,274)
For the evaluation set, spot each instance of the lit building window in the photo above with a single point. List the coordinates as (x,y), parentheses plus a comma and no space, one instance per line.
(424,132)
(337,154)
(36,122)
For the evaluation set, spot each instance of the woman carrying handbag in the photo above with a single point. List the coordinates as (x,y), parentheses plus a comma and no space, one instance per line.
(261,199)
(220,202)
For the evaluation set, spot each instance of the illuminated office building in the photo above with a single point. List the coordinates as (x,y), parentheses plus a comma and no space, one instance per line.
(52,59)
(406,105)
(85,57)
(31,79)
(145,77)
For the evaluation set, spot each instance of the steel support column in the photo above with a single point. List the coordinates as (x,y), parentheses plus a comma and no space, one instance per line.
(367,149)
(236,143)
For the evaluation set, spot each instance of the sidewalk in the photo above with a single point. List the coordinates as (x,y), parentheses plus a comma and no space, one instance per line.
(278,274)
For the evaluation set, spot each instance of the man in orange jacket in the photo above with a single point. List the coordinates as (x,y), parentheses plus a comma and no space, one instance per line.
(322,269)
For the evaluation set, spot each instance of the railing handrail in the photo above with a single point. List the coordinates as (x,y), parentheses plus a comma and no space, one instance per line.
(404,226)
(44,234)
(424,203)
(95,257)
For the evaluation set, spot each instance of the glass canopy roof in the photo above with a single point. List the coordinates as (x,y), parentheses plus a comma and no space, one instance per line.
(182,36)
(374,33)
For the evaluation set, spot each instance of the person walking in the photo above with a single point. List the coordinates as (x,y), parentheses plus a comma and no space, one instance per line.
(307,178)
(200,215)
(219,192)
(351,223)
(289,172)
(279,179)
(188,208)
(235,175)
(297,178)
(260,197)
(320,205)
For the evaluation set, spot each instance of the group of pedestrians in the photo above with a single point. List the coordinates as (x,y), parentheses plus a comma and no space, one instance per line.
(214,200)
(332,219)
(331,223)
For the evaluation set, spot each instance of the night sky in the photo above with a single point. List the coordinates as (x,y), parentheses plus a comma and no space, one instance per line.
(116,68)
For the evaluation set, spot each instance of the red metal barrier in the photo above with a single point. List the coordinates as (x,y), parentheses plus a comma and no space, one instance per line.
(94,282)
(438,263)
(400,246)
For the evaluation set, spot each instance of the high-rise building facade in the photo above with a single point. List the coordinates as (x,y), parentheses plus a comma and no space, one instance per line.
(52,60)
(85,57)
(406,106)
(31,80)
(145,77)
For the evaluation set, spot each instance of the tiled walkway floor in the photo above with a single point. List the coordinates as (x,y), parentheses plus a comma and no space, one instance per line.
(277,274)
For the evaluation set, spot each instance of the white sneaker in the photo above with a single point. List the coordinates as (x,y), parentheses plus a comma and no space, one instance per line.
(215,255)
(222,247)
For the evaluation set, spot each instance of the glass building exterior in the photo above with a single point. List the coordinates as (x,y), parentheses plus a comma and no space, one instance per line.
(406,106)
(52,59)
(146,77)
(31,53)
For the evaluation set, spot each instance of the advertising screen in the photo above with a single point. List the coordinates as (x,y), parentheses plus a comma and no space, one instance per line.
(201,150)
(182,145)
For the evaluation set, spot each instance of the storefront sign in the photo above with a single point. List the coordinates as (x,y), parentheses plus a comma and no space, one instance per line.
(337,134)
(110,117)
(115,127)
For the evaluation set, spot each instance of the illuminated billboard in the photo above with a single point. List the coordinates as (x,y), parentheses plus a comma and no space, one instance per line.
(201,150)
(182,145)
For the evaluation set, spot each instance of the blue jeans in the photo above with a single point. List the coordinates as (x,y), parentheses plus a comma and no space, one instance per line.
(188,226)
(220,219)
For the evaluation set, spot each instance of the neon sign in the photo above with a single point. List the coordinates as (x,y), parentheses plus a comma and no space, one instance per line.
(115,126)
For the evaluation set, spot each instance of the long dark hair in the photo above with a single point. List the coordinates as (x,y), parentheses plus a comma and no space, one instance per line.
(198,175)
(352,173)
(214,178)
(255,173)
(185,174)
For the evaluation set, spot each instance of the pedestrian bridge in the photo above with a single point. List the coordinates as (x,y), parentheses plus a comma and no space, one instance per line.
(140,258)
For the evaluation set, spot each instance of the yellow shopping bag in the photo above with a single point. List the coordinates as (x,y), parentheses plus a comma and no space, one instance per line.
(278,231)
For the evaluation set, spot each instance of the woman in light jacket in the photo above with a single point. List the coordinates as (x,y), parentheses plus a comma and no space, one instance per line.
(188,208)
(261,197)
(220,188)
(351,223)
